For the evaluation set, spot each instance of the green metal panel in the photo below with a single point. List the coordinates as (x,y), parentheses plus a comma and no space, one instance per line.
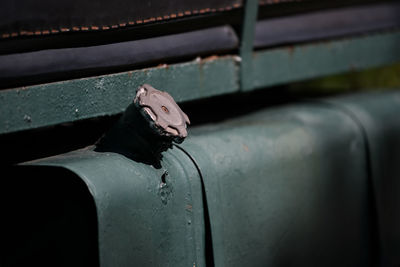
(142,221)
(294,63)
(378,115)
(286,186)
(54,103)
(246,47)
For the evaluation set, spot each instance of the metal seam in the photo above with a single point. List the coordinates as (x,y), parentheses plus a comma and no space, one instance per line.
(207,221)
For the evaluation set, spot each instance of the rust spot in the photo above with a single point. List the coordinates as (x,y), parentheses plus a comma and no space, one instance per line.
(189,207)
(162,66)
(290,50)
(245,148)
(210,58)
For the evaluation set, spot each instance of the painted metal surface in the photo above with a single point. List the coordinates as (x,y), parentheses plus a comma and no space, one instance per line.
(294,63)
(378,116)
(54,103)
(146,216)
(246,46)
(286,186)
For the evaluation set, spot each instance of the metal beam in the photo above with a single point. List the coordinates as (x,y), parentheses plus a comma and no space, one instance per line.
(50,104)
(54,103)
(301,62)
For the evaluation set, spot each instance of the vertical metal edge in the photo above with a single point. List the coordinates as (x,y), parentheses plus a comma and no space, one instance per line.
(246,46)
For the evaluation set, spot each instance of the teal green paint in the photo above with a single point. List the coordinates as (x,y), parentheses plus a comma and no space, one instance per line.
(141,222)
(286,186)
(246,46)
(285,65)
(67,101)
(377,114)
(50,104)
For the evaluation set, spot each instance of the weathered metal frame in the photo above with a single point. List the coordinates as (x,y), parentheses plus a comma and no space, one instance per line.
(49,104)
(44,105)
